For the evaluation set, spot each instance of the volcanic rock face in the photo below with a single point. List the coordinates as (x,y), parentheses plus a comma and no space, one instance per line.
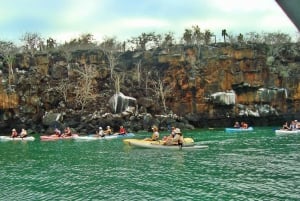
(196,82)
(212,72)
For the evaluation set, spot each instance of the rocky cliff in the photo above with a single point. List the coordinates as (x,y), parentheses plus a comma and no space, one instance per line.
(200,86)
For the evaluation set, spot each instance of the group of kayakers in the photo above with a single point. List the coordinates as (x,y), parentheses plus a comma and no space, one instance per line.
(67,132)
(175,137)
(15,134)
(23,133)
(102,133)
(240,125)
(294,125)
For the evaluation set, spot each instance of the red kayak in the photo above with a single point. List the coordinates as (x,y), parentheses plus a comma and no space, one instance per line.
(55,137)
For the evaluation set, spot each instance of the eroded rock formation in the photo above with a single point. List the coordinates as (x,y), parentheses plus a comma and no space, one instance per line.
(198,83)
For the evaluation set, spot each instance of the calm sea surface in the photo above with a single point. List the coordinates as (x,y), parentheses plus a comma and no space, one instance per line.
(247,166)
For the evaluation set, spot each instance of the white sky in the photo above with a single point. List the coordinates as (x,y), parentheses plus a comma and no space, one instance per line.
(64,20)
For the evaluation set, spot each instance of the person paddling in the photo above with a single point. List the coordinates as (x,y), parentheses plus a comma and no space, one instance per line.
(176,140)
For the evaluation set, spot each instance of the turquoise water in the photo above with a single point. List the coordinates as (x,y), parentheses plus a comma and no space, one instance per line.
(247,166)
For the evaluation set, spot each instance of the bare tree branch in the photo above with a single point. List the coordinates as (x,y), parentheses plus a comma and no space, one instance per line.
(85,91)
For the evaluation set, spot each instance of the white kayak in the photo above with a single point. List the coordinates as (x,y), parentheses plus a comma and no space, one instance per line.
(107,137)
(286,132)
(189,144)
(8,138)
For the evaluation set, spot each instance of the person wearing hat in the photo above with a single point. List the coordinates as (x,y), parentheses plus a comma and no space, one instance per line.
(14,133)
(178,139)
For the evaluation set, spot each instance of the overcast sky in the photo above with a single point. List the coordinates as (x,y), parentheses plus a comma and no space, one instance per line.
(64,20)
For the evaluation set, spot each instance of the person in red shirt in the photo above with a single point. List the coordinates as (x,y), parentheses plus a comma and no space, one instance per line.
(122,130)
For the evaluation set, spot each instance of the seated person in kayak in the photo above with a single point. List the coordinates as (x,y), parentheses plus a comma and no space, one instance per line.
(236,125)
(14,133)
(293,125)
(23,133)
(177,140)
(297,124)
(108,131)
(57,132)
(100,132)
(67,132)
(155,135)
(285,126)
(122,130)
(171,136)
(244,125)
